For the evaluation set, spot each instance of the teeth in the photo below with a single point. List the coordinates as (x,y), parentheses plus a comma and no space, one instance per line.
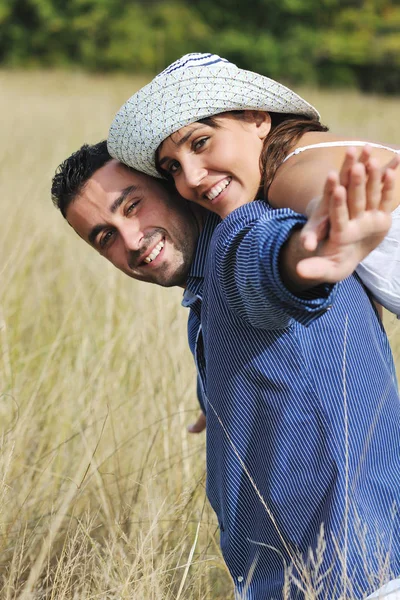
(216,190)
(156,251)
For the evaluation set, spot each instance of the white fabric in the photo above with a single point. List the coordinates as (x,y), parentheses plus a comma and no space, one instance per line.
(390,591)
(380,270)
(339,144)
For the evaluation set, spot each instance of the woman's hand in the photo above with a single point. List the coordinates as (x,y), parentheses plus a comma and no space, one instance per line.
(356,206)
(317,227)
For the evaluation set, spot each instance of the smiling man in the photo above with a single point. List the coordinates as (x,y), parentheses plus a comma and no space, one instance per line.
(136,222)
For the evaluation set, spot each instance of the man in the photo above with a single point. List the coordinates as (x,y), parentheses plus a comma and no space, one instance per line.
(176,225)
(295,427)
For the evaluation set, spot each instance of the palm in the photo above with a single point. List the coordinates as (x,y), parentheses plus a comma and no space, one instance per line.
(345,247)
(348,221)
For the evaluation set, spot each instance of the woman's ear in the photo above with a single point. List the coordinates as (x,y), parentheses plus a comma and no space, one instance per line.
(262,120)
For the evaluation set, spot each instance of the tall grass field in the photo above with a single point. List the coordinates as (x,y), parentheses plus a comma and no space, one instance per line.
(102,490)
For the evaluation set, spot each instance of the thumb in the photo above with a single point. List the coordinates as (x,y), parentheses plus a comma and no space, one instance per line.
(199,425)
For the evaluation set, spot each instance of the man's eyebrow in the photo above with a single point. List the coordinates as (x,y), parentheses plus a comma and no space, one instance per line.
(126,192)
(182,141)
(94,232)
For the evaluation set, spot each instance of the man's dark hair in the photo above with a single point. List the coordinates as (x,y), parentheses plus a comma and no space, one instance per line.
(72,175)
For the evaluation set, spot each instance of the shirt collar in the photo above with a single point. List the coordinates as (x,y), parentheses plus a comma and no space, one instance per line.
(196,273)
(198,265)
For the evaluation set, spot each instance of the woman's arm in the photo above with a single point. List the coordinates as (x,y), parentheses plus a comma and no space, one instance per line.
(301,180)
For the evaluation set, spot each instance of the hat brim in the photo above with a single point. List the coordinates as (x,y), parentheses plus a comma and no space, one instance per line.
(177,99)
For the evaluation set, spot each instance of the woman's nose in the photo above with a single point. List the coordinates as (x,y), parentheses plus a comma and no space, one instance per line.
(194,175)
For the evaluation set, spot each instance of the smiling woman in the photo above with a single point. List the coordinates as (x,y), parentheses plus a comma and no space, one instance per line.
(216,163)
(233,136)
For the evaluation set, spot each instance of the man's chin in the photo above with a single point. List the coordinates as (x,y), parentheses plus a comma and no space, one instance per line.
(174,281)
(163,279)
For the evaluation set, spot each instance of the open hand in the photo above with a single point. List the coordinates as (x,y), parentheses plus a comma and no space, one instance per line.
(317,212)
(356,206)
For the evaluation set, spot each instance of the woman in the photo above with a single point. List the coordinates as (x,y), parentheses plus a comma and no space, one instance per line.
(288,164)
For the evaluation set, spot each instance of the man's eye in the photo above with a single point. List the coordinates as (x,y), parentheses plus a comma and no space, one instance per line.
(105,239)
(130,207)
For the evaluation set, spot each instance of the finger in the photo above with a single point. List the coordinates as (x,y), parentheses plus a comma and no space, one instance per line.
(323,269)
(365,154)
(309,239)
(356,190)
(351,159)
(316,268)
(332,180)
(388,191)
(319,268)
(314,233)
(393,164)
(199,425)
(317,225)
(373,186)
(311,207)
(338,211)
(348,162)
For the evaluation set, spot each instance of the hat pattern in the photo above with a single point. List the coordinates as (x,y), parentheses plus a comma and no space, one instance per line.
(194,87)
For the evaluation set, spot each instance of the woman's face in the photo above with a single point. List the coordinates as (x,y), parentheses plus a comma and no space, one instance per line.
(218,166)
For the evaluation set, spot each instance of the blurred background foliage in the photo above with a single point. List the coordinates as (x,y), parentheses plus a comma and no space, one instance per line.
(347,43)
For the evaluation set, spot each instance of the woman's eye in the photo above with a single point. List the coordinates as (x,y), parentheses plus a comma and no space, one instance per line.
(173,167)
(198,144)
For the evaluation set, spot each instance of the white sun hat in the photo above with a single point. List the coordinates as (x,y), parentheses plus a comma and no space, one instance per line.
(194,87)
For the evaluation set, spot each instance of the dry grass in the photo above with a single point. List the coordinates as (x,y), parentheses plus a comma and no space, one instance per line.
(102,490)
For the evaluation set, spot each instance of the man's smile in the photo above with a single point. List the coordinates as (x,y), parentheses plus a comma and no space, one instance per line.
(155,252)
(149,255)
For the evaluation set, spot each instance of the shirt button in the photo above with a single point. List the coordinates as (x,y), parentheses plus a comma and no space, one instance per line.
(240,579)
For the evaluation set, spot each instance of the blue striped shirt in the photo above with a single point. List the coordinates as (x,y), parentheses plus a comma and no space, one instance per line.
(303,415)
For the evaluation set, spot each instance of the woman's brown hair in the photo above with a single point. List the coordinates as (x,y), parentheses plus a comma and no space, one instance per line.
(286,130)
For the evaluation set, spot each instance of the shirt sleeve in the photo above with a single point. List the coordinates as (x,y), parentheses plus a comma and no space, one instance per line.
(247,265)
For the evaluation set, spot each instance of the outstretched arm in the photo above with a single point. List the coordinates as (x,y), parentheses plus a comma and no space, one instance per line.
(359,218)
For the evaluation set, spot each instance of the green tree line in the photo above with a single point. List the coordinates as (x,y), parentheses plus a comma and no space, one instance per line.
(324,42)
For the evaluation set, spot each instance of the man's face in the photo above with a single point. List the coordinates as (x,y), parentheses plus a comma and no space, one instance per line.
(136,224)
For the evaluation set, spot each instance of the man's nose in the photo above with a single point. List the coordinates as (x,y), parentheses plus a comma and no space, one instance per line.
(132,235)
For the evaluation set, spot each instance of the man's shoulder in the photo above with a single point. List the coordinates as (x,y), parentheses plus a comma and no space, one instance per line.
(244,218)
(246,213)
(240,219)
